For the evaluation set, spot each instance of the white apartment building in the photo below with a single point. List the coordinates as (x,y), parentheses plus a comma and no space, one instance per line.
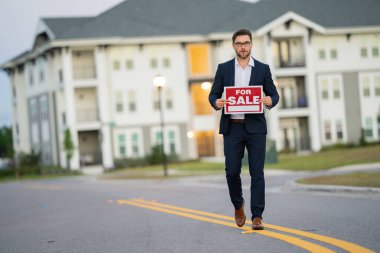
(94,76)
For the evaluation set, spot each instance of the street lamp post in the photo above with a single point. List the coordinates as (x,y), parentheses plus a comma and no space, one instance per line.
(160,81)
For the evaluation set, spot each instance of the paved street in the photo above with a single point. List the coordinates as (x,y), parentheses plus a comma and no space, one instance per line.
(83,214)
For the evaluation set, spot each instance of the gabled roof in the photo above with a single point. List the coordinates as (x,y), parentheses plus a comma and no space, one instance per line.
(146,18)
(20,56)
(60,25)
(149,18)
(326,13)
(160,18)
(329,13)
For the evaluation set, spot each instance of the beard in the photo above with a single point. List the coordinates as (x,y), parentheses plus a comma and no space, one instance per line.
(243,53)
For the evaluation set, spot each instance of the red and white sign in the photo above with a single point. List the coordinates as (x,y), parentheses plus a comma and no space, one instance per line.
(243,99)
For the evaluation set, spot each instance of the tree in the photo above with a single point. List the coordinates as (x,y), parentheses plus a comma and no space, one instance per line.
(68,146)
(6,143)
(6,146)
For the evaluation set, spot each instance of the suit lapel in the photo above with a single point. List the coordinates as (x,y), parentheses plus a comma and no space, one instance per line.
(253,76)
(231,73)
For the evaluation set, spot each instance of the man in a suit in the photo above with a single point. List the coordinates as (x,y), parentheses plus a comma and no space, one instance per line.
(242,131)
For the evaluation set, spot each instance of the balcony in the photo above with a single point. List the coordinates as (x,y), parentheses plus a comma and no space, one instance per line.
(288,102)
(294,134)
(84,73)
(292,93)
(87,115)
(83,65)
(289,53)
(86,104)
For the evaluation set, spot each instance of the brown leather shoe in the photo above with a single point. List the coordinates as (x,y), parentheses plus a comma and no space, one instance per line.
(240,216)
(257,224)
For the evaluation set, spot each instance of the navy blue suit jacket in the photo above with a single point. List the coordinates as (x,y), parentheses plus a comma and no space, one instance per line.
(261,76)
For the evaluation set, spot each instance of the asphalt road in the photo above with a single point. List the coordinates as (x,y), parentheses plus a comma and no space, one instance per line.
(83,214)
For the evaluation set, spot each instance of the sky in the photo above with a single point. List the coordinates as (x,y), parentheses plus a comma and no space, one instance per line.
(18,23)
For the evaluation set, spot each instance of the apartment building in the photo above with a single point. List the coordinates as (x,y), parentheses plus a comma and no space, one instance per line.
(94,76)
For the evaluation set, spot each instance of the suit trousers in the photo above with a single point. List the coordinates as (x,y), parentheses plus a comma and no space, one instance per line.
(235,141)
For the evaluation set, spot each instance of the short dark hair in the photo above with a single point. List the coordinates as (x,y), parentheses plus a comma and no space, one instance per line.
(241,32)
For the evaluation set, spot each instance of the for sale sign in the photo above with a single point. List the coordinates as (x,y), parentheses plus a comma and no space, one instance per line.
(243,99)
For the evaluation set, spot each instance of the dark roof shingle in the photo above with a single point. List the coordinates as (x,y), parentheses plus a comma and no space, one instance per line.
(147,18)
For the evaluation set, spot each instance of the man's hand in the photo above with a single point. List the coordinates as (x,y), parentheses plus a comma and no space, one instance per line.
(267,101)
(220,103)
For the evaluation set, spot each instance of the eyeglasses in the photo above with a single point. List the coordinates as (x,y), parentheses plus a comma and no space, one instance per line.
(245,44)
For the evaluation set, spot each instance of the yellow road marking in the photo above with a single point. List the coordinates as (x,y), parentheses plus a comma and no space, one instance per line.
(311,247)
(348,246)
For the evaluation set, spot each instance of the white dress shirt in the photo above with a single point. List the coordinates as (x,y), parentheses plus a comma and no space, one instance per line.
(242,77)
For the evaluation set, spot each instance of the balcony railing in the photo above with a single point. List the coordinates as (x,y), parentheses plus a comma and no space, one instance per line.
(84,72)
(298,144)
(287,103)
(291,64)
(87,115)
(289,53)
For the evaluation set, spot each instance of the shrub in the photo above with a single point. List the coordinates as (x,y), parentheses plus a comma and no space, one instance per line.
(130,162)
(155,157)
(29,163)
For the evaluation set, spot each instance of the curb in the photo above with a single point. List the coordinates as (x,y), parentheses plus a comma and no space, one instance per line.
(293,185)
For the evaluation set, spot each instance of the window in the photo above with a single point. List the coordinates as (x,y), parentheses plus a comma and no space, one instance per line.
(40,67)
(172,142)
(366,91)
(333,54)
(119,101)
(132,100)
(322,54)
(336,88)
(363,52)
(324,89)
(377,86)
(198,58)
(135,146)
(375,51)
(158,138)
(60,76)
(378,125)
(129,64)
(41,75)
(122,149)
(166,62)
(63,118)
(14,92)
(327,130)
(116,65)
(31,77)
(153,63)
(44,108)
(36,147)
(156,100)
(368,128)
(339,130)
(33,111)
(169,99)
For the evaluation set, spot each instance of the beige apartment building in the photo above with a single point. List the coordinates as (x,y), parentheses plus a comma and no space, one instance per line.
(94,76)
